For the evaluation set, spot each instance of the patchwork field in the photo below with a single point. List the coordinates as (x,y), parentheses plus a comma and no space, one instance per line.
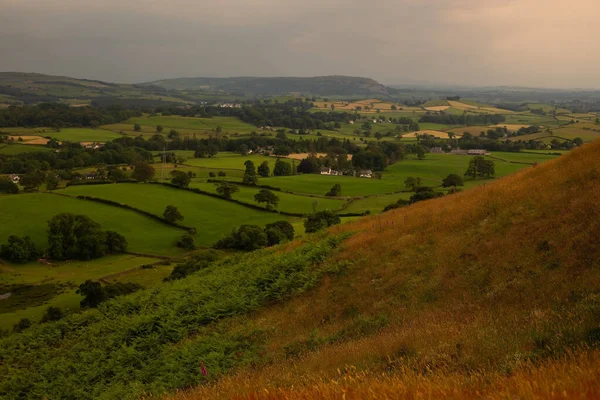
(29,214)
(287,202)
(213,218)
(16,148)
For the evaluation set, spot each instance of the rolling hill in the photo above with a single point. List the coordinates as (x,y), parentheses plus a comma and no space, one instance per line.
(255,86)
(492,291)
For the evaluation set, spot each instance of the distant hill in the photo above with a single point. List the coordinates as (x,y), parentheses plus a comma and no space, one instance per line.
(248,86)
(27,88)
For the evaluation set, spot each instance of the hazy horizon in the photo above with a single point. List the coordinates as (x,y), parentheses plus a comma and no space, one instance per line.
(525,43)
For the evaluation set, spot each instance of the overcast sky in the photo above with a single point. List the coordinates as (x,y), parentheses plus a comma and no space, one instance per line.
(542,43)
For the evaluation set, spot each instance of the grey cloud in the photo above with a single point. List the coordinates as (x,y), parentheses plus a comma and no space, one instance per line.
(488,42)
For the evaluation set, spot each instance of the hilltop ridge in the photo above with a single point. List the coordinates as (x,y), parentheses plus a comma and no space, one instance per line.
(319,85)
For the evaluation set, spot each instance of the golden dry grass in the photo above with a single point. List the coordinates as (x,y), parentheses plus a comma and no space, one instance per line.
(302,156)
(437,134)
(437,108)
(31,139)
(480,294)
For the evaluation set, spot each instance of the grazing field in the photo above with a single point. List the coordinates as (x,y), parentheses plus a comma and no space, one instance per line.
(213,218)
(60,281)
(12,149)
(437,108)
(84,135)
(321,184)
(227,160)
(287,202)
(28,214)
(377,203)
(228,125)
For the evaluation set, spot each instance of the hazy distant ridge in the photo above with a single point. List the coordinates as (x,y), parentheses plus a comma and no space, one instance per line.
(320,85)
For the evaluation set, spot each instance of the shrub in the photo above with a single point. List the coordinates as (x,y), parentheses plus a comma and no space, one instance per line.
(52,314)
(187,242)
(320,220)
(23,324)
(19,250)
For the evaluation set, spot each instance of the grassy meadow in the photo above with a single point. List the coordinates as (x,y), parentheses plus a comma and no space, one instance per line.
(28,214)
(213,218)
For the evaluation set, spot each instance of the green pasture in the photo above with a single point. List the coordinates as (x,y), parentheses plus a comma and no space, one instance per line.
(213,218)
(229,125)
(14,149)
(376,204)
(227,160)
(28,214)
(287,202)
(321,184)
(70,274)
(84,135)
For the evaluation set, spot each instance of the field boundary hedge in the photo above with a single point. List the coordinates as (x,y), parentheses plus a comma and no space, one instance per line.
(99,182)
(202,192)
(127,207)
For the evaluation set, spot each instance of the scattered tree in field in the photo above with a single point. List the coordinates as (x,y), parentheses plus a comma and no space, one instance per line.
(424,193)
(172,214)
(226,189)
(268,197)
(173,134)
(282,168)
(19,250)
(279,232)
(212,174)
(411,183)
(143,172)
(31,182)
(250,177)
(8,186)
(52,314)
(480,167)
(452,180)
(137,128)
(24,323)
(115,242)
(159,128)
(116,174)
(264,170)
(321,220)
(246,237)
(180,179)
(222,173)
(282,150)
(578,141)
(420,150)
(187,242)
(243,150)
(335,191)
(52,181)
(94,293)
(310,165)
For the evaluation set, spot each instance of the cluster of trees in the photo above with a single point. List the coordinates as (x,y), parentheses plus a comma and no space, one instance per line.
(321,220)
(253,237)
(195,263)
(480,167)
(95,293)
(69,237)
(292,114)
(57,115)
(463,119)
(73,155)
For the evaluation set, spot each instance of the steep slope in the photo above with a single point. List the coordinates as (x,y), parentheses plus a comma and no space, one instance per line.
(321,85)
(485,293)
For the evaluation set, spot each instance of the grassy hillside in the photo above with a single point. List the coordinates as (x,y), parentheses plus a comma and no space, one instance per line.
(320,85)
(487,292)
(483,291)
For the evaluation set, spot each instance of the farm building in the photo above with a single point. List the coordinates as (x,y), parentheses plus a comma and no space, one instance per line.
(15,178)
(472,152)
(366,173)
(436,150)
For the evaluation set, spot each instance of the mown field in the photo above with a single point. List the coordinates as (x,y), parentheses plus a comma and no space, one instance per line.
(213,218)
(27,214)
